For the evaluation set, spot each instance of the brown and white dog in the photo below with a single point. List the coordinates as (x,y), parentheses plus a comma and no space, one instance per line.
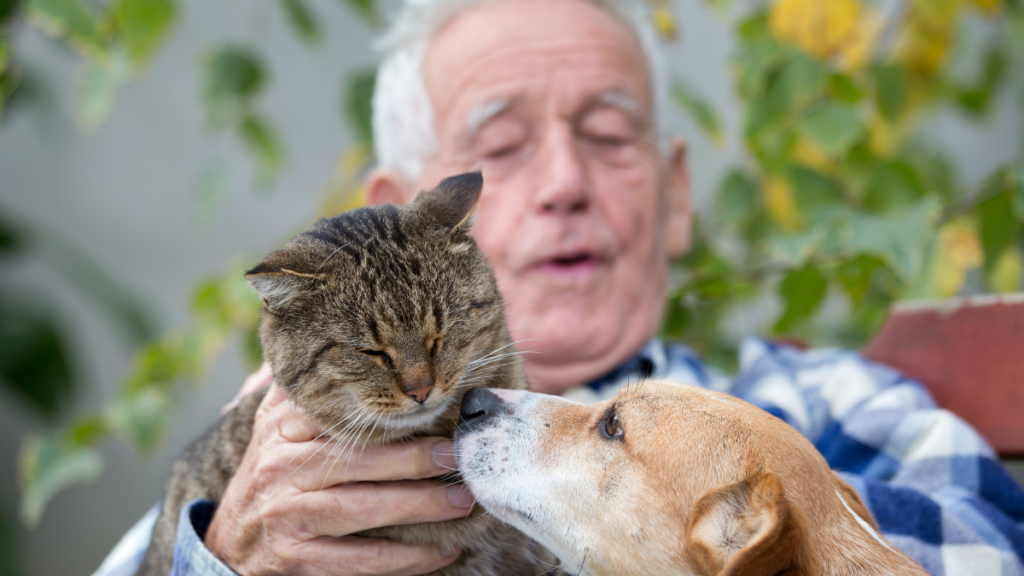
(666,479)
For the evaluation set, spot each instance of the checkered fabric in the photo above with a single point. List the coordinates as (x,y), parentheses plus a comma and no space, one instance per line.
(935,487)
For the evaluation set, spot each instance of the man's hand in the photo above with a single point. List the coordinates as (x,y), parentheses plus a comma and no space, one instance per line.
(296,499)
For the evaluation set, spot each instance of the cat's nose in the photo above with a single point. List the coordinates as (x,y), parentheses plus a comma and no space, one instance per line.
(417,384)
(478,406)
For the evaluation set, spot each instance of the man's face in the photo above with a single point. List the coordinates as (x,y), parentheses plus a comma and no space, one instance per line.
(552,100)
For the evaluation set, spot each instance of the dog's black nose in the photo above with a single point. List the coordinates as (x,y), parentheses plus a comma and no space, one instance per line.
(478,406)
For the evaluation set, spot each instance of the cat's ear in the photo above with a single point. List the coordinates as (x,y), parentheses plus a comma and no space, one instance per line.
(450,206)
(279,279)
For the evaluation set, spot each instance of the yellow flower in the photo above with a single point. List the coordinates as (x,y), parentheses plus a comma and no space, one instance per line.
(824,28)
(779,201)
(989,6)
(664,20)
(957,250)
(857,51)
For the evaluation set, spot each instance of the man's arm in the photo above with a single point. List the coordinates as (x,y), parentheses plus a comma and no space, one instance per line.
(284,514)
(933,484)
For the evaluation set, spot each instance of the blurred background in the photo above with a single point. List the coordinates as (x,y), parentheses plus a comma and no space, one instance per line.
(847,154)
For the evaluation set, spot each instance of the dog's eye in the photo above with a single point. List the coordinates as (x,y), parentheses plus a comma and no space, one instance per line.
(609,427)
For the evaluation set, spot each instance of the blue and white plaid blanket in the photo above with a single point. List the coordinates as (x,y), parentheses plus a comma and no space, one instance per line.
(935,487)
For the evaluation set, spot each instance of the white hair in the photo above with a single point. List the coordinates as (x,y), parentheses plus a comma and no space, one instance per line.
(403,115)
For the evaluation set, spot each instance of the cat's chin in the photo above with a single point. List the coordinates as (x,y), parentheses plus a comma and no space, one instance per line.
(414,420)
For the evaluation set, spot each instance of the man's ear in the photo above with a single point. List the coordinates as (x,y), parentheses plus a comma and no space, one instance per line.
(385,186)
(281,278)
(679,224)
(745,529)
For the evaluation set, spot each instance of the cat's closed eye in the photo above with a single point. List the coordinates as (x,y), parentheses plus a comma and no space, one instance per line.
(380,355)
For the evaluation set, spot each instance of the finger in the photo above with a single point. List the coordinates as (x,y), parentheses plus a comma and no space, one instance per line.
(291,423)
(331,463)
(254,383)
(352,508)
(374,556)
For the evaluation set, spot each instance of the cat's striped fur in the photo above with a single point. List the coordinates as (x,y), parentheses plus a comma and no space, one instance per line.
(362,313)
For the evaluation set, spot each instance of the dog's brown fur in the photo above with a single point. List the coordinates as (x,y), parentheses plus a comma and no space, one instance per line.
(699,483)
(363,313)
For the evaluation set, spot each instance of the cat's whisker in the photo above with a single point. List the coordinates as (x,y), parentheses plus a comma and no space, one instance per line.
(331,256)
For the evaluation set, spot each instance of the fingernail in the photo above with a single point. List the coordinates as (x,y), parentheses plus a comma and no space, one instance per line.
(449,550)
(459,496)
(444,455)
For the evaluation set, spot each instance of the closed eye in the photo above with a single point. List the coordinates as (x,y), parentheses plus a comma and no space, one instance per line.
(379,354)
(610,427)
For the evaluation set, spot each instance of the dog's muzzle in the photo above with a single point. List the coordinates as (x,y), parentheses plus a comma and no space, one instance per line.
(478,406)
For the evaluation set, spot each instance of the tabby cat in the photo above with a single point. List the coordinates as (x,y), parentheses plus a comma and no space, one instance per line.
(387,312)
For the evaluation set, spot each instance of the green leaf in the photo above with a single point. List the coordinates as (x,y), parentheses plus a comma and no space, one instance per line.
(895,184)
(33,359)
(142,26)
(263,143)
(700,109)
(801,292)
(997,226)
(844,89)
(899,238)
(1017,190)
(358,105)
(232,77)
(813,190)
(7,9)
(367,9)
(677,317)
(97,90)
(10,236)
(798,84)
(892,88)
(856,276)
(5,56)
(75,21)
(976,99)
(797,249)
(142,417)
(302,20)
(738,198)
(833,127)
(46,467)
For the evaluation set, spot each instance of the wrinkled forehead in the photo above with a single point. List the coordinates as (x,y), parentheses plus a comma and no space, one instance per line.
(562,53)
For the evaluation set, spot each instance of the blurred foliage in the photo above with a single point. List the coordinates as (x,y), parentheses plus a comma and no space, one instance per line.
(842,202)
(845,202)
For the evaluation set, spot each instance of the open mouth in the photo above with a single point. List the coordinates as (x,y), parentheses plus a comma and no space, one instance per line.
(577,264)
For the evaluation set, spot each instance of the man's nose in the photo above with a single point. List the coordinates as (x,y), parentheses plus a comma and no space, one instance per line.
(562,187)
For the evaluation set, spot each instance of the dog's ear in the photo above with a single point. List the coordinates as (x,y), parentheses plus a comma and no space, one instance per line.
(854,502)
(745,529)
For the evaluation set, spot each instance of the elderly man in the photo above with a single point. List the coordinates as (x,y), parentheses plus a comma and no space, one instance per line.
(559,102)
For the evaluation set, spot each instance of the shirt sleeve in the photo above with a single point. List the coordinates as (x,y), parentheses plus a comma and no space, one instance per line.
(934,486)
(191,557)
